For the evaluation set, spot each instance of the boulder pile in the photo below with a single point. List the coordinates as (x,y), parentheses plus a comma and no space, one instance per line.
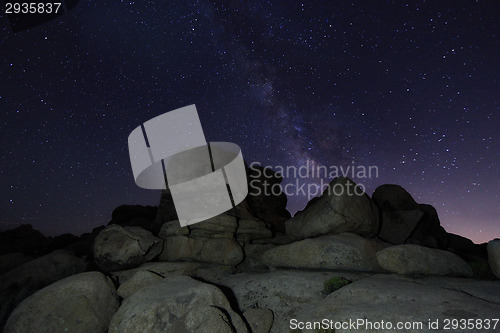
(252,269)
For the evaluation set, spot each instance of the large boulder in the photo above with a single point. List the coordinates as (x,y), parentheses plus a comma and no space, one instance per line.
(24,280)
(117,247)
(390,197)
(177,304)
(494,256)
(404,221)
(341,208)
(346,251)
(80,303)
(210,241)
(393,300)
(415,259)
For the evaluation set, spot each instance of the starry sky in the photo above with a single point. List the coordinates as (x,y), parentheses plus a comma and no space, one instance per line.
(408,86)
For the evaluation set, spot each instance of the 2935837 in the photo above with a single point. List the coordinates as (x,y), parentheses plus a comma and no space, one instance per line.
(32,7)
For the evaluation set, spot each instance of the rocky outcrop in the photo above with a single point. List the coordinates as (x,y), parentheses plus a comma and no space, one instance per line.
(117,247)
(80,303)
(255,278)
(332,252)
(219,240)
(341,208)
(494,256)
(414,259)
(211,241)
(404,221)
(24,280)
(177,304)
(260,203)
(390,197)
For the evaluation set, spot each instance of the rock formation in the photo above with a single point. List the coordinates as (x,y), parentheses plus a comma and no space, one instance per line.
(251,269)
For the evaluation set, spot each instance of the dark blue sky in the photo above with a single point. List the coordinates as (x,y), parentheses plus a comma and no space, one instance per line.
(410,87)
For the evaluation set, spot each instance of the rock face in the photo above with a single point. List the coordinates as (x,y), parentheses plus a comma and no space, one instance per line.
(339,209)
(494,256)
(404,221)
(392,300)
(332,252)
(219,240)
(209,241)
(414,259)
(80,303)
(178,304)
(24,280)
(117,247)
(258,205)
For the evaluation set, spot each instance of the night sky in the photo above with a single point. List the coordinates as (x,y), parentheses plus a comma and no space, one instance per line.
(409,87)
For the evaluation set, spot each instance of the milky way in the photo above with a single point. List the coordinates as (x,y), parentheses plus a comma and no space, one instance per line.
(409,87)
